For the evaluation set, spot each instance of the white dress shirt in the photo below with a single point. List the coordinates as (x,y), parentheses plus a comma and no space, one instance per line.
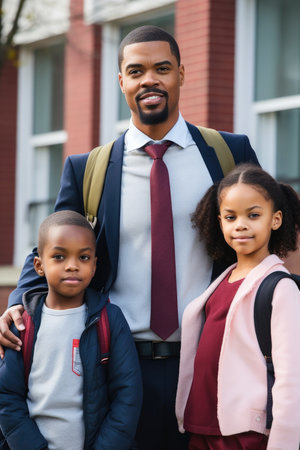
(189,180)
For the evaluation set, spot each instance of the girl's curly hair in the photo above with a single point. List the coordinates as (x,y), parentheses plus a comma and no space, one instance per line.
(283,196)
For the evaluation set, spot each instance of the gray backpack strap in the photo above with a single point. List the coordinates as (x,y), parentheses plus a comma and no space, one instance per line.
(93,180)
(214,139)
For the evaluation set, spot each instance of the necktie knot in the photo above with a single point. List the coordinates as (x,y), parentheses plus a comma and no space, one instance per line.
(157,151)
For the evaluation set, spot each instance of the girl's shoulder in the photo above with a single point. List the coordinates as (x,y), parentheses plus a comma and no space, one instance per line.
(280,289)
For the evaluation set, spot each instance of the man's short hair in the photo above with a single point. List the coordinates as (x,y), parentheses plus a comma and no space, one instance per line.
(148,33)
(60,218)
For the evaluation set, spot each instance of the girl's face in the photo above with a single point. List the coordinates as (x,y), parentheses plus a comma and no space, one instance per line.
(247,219)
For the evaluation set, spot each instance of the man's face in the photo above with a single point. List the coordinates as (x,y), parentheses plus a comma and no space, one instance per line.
(150,79)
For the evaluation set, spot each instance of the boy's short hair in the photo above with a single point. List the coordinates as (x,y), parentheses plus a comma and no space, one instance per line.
(60,218)
(148,33)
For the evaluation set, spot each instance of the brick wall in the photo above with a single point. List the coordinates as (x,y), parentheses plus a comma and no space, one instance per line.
(4,293)
(82,83)
(205,32)
(9,276)
(8,117)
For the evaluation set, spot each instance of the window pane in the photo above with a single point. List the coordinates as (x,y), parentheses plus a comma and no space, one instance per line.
(277,48)
(48,89)
(44,185)
(166,22)
(288,141)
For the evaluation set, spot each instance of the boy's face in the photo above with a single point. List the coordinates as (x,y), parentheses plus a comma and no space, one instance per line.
(68,262)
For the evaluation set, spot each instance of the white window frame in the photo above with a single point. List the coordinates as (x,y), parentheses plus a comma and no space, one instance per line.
(26,144)
(244,116)
(109,84)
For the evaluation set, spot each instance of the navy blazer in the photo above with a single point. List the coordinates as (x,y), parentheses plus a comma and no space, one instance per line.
(70,196)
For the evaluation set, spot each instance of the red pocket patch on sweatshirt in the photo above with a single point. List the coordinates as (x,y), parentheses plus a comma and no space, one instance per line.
(76,361)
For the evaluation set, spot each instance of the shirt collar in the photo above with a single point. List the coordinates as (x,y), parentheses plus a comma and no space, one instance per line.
(179,134)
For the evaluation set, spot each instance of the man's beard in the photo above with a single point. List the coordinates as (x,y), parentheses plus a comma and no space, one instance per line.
(152,117)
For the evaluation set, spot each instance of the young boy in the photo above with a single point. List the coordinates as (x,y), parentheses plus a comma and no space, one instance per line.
(73,401)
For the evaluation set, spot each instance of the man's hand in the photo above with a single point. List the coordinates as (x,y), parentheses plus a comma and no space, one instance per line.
(7,338)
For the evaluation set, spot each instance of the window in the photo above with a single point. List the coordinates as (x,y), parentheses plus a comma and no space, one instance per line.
(47,118)
(267,91)
(40,141)
(277,82)
(48,89)
(277,49)
(288,147)
(44,186)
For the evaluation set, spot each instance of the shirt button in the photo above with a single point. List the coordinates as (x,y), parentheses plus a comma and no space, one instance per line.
(258,419)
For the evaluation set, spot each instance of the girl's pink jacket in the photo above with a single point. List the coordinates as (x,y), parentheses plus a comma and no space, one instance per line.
(242,388)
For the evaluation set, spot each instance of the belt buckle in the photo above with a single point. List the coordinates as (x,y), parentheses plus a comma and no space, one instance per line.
(154,356)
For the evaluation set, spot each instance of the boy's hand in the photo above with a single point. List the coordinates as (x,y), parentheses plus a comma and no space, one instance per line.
(7,338)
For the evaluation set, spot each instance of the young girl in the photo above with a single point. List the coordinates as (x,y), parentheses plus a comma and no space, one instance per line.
(222,389)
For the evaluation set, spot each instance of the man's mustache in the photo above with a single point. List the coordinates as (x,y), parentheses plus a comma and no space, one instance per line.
(150,91)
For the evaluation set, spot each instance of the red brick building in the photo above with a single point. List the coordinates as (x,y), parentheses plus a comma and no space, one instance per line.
(63,97)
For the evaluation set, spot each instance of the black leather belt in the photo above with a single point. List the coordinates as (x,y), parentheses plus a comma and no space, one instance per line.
(157,350)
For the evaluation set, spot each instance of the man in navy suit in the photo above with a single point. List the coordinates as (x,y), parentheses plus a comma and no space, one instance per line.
(150,77)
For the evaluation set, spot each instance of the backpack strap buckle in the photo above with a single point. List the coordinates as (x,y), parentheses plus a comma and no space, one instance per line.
(92,220)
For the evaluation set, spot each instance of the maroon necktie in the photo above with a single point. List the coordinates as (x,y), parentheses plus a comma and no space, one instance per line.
(164,315)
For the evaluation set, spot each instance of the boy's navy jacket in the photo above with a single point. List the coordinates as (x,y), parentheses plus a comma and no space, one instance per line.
(112,394)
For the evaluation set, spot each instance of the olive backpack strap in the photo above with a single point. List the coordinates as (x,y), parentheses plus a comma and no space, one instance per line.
(93,180)
(262,323)
(214,139)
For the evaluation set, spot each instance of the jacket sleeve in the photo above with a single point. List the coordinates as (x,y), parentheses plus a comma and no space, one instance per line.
(69,197)
(19,430)
(285,333)
(124,386)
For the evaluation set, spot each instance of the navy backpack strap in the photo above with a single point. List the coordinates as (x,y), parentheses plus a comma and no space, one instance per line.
(103,330)
(27,337)
(262,323)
